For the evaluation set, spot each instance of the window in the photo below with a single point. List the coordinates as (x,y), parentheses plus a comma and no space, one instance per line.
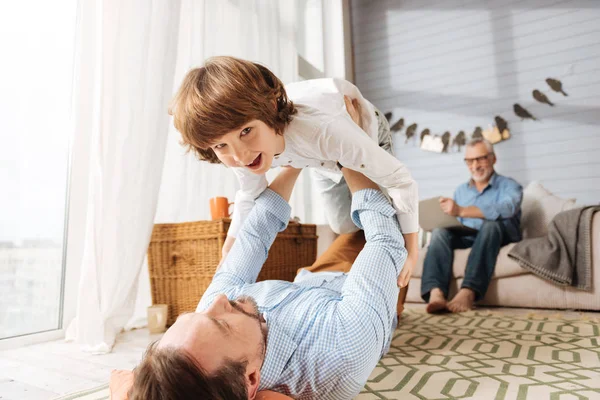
(37,39)
(310,39)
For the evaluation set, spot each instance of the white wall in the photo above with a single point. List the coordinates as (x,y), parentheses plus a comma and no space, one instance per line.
(454,64)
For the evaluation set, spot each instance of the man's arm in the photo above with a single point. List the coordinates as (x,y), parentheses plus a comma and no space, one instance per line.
(451,207)
(370,292)
(507,206)
(470,212)
(269,216)
(251,186)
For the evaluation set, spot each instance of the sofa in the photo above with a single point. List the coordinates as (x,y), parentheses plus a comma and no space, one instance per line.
(511,285)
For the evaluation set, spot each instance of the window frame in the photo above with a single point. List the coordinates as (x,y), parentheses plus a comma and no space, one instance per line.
(337,34)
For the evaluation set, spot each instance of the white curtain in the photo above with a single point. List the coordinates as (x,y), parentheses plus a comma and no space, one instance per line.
(256,30)
(132,57)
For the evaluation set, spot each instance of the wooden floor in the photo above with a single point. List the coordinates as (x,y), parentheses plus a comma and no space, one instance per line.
(48,370)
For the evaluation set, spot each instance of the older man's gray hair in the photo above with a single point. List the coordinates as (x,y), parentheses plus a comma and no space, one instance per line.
(488,145)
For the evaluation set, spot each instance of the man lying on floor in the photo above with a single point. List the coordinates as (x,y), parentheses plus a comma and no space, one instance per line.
(319,337)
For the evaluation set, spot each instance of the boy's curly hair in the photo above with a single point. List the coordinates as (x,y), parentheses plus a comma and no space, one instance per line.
(223,95)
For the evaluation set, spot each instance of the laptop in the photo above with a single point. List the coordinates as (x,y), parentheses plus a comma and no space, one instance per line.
(431,217)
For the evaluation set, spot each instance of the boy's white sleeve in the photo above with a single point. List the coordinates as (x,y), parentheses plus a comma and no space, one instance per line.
(251,186)
(347,143)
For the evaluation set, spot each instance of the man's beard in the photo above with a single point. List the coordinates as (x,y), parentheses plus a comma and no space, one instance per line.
(484,176)
(256,315)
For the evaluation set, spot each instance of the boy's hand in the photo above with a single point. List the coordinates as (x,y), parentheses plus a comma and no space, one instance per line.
(411,243)
(409,265)
(354,110)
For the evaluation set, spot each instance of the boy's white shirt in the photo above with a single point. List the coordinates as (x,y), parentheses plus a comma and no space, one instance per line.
(322,133)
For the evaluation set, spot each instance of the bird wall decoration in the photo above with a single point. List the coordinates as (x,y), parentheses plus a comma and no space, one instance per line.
(501,124)
(397,127)
(459,140)
(410,131)
(424,133)
(541,97)
(556,85)
(523,113)
(499,132)
(445,141)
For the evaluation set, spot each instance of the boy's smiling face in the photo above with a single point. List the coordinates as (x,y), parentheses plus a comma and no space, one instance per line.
(252,146)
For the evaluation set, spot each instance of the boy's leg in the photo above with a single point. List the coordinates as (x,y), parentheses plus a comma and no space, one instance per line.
(337,202)
(336,196)
(384,133)
(341,254)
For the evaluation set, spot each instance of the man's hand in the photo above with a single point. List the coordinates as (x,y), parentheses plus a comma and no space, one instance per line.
(353,107)
(284,182)
(449,206)
(283,185)
(229,241)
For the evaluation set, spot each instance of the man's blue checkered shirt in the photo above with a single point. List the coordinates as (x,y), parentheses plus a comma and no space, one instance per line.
(325,335)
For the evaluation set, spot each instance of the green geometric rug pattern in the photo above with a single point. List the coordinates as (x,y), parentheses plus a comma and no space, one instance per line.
(490,356)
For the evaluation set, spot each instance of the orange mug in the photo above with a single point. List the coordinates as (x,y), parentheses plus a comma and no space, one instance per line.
(219,208)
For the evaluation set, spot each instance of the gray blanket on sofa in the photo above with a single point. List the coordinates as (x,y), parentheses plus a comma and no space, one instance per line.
(564,256)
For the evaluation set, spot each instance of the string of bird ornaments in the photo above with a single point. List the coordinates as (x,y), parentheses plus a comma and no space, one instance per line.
(496,133)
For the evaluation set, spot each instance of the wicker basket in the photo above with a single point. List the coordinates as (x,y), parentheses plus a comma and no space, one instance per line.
(182,259)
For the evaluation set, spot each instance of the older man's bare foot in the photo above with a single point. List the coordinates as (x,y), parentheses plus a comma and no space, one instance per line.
(437,301)
(463,301)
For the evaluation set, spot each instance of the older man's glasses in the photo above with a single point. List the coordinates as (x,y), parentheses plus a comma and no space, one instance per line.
(480,160)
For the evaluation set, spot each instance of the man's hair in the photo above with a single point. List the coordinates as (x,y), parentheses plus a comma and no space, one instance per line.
(173,374)
(223,95)
(488,145)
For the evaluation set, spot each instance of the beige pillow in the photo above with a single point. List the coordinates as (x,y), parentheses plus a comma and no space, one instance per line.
(539,208)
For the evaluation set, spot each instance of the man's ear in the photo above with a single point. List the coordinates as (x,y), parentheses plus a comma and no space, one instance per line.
(252,382)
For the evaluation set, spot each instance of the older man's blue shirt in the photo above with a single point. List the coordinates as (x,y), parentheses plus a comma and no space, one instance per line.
(325,333)
(500,200)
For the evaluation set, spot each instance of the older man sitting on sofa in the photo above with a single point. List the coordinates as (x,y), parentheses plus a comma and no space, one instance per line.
(489,203)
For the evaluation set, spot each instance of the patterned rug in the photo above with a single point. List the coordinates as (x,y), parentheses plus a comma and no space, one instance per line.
(489,355)
(485,355)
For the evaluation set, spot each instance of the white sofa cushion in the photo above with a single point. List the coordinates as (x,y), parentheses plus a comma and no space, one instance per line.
(539,208)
